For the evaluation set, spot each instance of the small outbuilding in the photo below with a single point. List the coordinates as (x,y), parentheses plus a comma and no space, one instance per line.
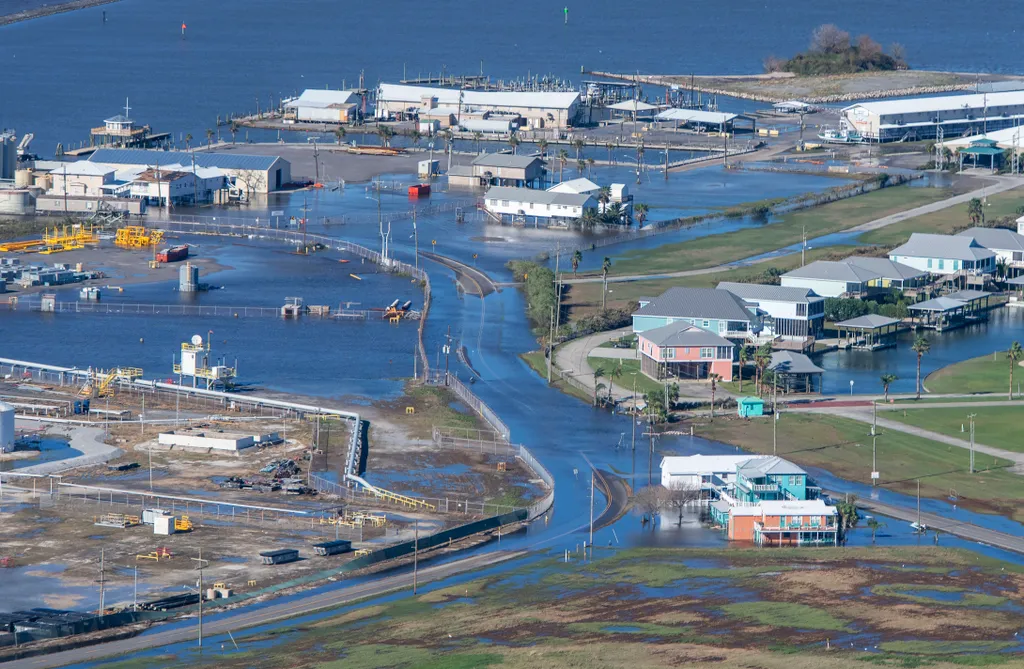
(794,372)
(332,547)
(748,407)
(280,556)
(870,332)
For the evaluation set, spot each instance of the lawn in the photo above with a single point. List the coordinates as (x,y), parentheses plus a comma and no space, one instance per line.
(999,427)
(987,374)
(539,364)
(585,298)
(945,221)
(821,220)
(843,447)
(644,383)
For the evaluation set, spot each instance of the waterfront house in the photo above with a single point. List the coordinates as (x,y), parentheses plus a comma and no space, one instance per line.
(523,204)
(499,169)
(790,312)
(703,471)
(831,279)
(1006,244)
(81,178)
(323,106)
(760,479)
(945,254)
(717,311)
(684,351)
(581,186)
(785,523)
(890,274)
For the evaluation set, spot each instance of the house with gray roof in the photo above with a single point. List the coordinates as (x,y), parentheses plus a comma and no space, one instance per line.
(501,169)
(717,311)
(764,479)
(1006,244)
(891,274)
(945,254)
(831,278)
(789,312)
(684,351)
(522,204)
(795,372)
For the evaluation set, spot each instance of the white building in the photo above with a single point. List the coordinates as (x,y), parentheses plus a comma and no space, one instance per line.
(323,106)
(177,185)
(793,313)
(920,118)
(830,279)
(1006,244)
(698,470)
(524,203)
(249,174)
(6,427)
(579,186)
(944,254)
(219,441)
(81,178)
(539,108)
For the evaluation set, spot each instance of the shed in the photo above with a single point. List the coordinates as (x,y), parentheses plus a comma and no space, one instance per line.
(280,556)
(870,331)
(163,524)
(747,407)
(795,372)
(333,547)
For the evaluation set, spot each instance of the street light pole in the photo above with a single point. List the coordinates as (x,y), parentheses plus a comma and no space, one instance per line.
(591,507)
(971,417)
(874,468)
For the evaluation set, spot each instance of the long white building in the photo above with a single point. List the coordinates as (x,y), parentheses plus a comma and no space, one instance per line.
(920,118)
(541,109)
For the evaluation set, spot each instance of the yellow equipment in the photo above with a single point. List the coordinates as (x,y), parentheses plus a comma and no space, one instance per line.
(360,552)
(99,384)
(137,237)
(182,524)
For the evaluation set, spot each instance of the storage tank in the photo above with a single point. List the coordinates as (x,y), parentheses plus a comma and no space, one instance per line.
(6,428)
(24,178)
(16,202)
(44,181)
(188,278)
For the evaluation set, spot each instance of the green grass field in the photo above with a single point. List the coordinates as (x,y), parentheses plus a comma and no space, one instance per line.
(986,374)
(822,220)
(644,383)
(843,447)
(944,221)
(539,364)
(999,427)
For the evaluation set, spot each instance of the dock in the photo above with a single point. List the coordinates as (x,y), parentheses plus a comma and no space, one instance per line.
(211,311)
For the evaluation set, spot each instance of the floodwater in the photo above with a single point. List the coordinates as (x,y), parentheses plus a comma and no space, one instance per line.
(127,55)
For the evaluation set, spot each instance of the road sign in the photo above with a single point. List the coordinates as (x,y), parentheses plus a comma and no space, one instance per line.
(874,475)
(279,212)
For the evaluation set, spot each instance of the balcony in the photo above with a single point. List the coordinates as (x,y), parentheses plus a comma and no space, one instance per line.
(774,529)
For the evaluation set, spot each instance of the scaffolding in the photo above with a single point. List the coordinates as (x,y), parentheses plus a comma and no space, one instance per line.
(137,237)
(101,383)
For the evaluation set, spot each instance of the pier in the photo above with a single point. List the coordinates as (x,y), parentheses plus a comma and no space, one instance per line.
(140,309)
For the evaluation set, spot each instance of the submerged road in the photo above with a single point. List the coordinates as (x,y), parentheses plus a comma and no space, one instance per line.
(936,522)
(472,280)
(250,617)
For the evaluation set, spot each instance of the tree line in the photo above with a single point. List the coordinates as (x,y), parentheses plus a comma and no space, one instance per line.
(833,52)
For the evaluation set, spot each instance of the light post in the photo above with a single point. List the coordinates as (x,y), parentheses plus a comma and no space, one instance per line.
(971,417)
(851,387)
(874,468)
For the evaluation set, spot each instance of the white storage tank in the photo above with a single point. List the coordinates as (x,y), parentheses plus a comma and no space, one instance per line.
(6,428)
(16,201)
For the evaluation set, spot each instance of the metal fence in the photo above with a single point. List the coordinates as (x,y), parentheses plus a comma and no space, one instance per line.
(444,505)
(478,405)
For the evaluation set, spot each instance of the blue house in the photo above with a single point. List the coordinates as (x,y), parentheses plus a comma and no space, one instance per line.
(717,311)
(773,478)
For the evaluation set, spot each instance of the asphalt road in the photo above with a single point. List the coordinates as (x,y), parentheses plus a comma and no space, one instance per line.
(474,282)
(250,617)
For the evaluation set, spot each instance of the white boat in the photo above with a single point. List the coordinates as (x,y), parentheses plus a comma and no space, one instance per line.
(839,136)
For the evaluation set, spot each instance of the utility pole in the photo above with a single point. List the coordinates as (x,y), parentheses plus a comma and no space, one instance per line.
(874,467)
(447,351)
(775,423)
(195,185)
(415,240)
(142,418)
(971,417)
(135,590)
(551,343)
(591,506)
(650,453)
(102,580)
(803,248)
(632,418)
(415,555)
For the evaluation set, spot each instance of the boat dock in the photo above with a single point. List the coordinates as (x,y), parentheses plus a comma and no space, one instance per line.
(288,311)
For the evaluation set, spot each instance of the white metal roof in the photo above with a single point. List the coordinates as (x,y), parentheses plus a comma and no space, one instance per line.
(762,292)
(1004,139)
(680,465)
(321,99)
(925,245)
(82,168)
(581,185)
(633,105)
(535,196)
(940,103)
(792,507)
(995,239)
(695,116)
(830,270)
(450,96)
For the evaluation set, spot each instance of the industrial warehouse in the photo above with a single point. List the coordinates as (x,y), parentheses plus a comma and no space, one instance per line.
(911,119)
(538,109)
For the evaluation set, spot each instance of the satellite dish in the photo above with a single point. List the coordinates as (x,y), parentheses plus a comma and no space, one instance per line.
(197,340)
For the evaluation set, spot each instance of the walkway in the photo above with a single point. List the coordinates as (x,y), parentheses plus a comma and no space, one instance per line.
(864,416)
(87,440)
(1001,184)
(252,616)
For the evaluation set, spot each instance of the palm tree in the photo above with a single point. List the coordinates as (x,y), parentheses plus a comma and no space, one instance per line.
(577,258)
(744,357)
(578,144)
(1014,355)
(598,373)
(188,140)
(606,265)
(640,213)
(1001,268)
(339,134)
(563,158)
(513,141)
(233,129)
(975,211)
(543,146)
(887,380)
(920,346)
(209,137)
(416,136)
(609,146)
(590,167)
(762,358)
(477,136)
(615,375)
(874,525)
(386,133)
(604,196)
(714,385)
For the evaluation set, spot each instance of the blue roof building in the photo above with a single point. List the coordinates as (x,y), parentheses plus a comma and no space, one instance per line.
(250,173)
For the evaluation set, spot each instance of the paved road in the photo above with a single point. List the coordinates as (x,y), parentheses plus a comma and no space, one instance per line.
(1001,184)
(864,415)
(474,282)
(249,617)
(934,522)
(617,492)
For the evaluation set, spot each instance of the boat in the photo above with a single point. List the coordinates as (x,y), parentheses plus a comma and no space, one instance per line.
(172,254)
(840,136)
